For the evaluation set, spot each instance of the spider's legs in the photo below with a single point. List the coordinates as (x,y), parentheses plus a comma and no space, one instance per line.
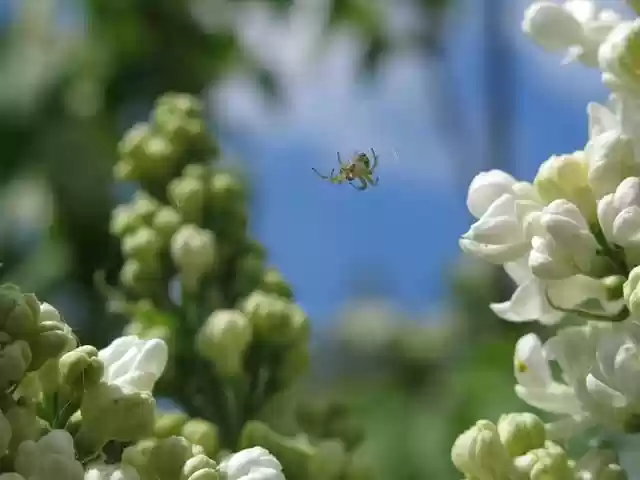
(363,185)
(373,181)
(375,160)
(340,160)
(324,177)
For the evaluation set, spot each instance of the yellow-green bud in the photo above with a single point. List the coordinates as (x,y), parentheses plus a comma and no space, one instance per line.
(166,222)
(81,368)
(199,467)
(273,282)
(15,359)
(133,141)
(137,456)
(187,195)
(124,220)
(521,432)
(249,273)
(193,251)
(52,456)
(24,424)
(223,339)
(109,413)
(203,433)
(19,312)
(142,244)
(632,292)
(479,453)
(566,177)
(168,456)
(275,319)
(226,191)
(544,463)
(169,424)
(179,116)
(144,206)
(614,286)
(140,277)
(52,340)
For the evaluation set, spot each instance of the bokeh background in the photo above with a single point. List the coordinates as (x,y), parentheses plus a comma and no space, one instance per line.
(441,89)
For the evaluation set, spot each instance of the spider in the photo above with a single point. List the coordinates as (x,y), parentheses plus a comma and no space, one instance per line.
(359,168)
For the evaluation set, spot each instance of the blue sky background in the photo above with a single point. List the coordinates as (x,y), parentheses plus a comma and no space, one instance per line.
(319,234)
(322,236)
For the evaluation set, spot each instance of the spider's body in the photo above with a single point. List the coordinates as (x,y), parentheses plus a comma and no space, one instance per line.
(359,168)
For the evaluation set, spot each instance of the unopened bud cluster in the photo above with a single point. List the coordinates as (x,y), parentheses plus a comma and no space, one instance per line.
(193,276)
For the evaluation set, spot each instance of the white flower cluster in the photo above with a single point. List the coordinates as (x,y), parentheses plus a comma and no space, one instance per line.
(570,239)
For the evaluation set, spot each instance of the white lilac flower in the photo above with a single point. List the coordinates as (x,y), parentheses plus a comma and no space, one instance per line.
(133,363)
(619,56)
(503,233)
(614,133)
(252,464)
(102,471)
(567,247)
(530,301)
(576,28)
(489,186)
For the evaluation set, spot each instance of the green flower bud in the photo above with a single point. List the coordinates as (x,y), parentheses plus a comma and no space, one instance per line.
(614,285)
(52,456)
(145,154)
(52,340)
(125,171)
(142,244)
(179,116)
(226,191)
(139,277)
(144,206)
(203,433)
(273,282)
(548,462)
(109,413)
(14,362)
(199,467)
(223,339)
(566,177)
(193,251)
(81,369)
(631,291)
(24,424)
(521,432)
(19,312)
(197,171)
(168,456)
(137,456)
(275,319)
(249,273)
(169,424)
(187,195)
(124,219)
(166,222)
(479,454)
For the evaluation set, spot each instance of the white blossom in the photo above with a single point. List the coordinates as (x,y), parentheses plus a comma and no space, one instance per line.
(52,456)
(101,471)
(576,28)
(567,247)
(619,214)
(503,233)
(133,363)
(252,464)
